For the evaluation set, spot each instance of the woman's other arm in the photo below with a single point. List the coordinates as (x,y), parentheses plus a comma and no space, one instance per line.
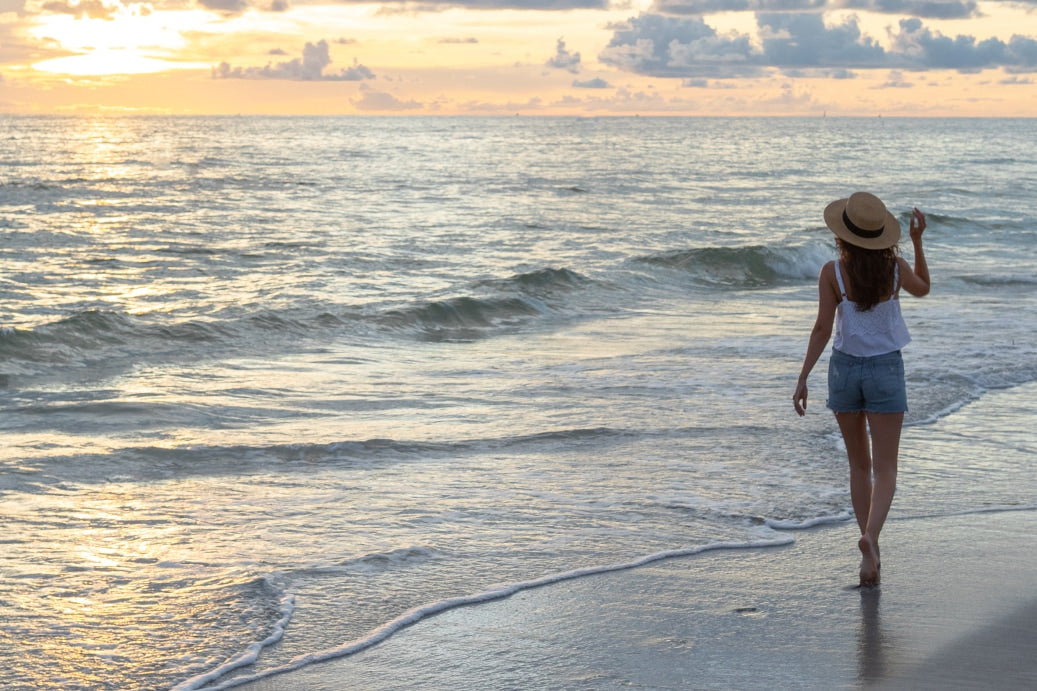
(916,281)
(827,299)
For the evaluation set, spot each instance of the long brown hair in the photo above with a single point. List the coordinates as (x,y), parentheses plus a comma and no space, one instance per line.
(870,273)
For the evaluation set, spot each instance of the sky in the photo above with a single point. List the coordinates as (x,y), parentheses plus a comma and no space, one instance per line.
(527,57)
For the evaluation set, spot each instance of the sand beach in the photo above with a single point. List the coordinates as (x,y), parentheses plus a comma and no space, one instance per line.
(956,609)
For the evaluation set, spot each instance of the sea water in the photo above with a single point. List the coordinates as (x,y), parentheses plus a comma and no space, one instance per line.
(274,387)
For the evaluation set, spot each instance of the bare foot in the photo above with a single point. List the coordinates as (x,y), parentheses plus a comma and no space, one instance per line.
(870,562)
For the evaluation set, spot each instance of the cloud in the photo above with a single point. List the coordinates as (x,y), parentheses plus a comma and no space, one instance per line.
(896,81)
(803,40)
(315,57)
(410,6)
(933,9)
(1025,49)
(14,49)
(563,59)
(458,40)
(929,9)
(659,46)
(920,46)
(93,9)
(512,107)
(225,6)
(800,44)
(235,7)
(700,7)
(842,73)
(371,100)
(596,83)
(356,73)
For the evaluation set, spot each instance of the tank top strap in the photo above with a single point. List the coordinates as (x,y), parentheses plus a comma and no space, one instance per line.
(896,279)
(839,278)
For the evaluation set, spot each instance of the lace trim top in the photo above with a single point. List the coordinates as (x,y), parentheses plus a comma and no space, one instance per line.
(877,331)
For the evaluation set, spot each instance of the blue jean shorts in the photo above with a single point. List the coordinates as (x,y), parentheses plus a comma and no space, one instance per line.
(870,384)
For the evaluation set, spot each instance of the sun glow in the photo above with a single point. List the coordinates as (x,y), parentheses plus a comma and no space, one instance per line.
(108,62)
(128,43)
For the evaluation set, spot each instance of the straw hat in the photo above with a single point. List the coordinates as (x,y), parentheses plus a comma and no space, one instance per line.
(862,220)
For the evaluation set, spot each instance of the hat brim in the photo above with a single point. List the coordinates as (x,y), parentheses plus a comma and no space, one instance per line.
(834,220)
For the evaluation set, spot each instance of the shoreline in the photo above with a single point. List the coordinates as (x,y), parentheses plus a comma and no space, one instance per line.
(786,616)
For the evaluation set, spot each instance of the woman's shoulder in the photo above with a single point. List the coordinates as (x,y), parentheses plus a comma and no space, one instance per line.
(826,279)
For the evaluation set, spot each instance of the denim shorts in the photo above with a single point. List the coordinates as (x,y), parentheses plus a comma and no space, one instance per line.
(869,384)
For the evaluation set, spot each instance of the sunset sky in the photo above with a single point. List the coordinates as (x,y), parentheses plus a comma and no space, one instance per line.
(580,57)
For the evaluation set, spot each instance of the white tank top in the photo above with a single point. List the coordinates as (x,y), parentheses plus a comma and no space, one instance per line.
(878,331)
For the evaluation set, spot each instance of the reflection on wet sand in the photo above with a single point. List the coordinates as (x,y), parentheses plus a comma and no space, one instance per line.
(872,643)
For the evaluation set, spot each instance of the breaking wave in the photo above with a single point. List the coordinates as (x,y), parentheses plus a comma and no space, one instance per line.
(94,336)
(753,266)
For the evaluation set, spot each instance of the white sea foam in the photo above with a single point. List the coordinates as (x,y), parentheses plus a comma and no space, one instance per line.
(969,512)
(810,522)
(416,614)
(250,654)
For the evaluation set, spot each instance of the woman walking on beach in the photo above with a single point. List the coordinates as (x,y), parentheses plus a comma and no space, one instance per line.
(859,291)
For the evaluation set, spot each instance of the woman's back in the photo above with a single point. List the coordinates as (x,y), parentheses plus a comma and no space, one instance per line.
(875,331)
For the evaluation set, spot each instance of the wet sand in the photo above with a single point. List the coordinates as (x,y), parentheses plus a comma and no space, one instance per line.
(957,608)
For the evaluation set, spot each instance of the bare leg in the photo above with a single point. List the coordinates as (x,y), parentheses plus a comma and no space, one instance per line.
(885,443)
(871,499)
(855,434)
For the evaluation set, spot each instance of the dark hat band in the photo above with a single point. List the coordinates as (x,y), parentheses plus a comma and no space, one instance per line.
(861,232)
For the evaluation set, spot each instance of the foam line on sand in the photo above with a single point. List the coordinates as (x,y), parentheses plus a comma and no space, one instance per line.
(954,587)
(412,616)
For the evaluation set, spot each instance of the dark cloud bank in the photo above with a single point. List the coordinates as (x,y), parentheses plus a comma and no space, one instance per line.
(687,47)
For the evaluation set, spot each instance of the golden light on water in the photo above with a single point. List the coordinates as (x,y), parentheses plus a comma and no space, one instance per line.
(87,557)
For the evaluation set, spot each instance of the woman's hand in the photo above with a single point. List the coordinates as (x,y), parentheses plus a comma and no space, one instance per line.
(917,225)
(799,399)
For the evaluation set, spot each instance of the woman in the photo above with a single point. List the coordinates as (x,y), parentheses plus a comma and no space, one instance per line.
(859,292)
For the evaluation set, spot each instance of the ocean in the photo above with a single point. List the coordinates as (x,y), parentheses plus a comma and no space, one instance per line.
(273,388)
